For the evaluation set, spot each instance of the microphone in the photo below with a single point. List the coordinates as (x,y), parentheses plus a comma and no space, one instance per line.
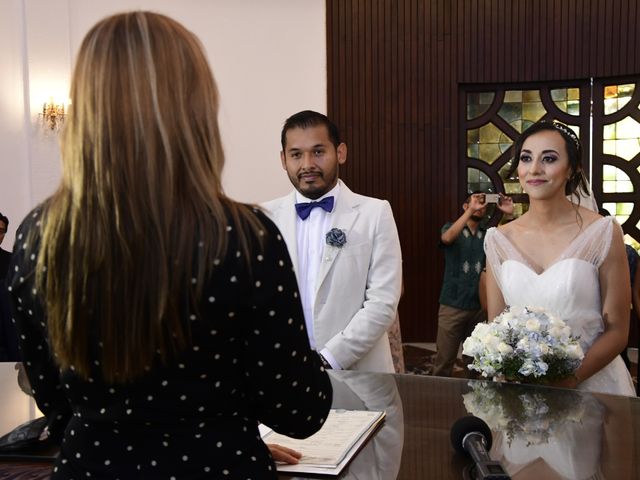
(471,435)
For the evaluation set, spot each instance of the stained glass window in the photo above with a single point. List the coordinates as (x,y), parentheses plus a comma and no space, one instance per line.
(618,121)
(478,103)
(567,100)
(490,139)
(615,180)
(610,111)
(622,138)
(478,181)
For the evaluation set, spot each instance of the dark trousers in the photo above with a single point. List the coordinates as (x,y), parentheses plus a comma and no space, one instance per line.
(454,326)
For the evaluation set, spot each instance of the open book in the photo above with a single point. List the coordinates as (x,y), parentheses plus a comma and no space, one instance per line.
(330,449)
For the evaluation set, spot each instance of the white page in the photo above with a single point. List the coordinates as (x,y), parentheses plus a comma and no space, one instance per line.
(328,447)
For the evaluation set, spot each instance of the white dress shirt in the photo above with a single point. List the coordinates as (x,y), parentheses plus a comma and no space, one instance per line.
(310,235)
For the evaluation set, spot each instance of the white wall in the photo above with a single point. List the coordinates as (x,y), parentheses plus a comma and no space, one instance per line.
(268,57)
(14,158)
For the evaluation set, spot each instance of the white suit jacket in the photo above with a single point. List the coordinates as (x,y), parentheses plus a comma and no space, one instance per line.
(358,285)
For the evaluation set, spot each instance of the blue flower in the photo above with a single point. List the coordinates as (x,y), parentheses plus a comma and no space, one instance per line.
(336,237)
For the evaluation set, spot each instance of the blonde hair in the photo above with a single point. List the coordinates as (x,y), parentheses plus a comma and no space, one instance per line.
(141,188)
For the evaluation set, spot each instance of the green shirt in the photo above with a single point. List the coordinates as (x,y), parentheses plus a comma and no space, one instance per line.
(463,261)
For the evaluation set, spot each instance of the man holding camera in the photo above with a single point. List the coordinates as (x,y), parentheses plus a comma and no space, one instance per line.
(463,245)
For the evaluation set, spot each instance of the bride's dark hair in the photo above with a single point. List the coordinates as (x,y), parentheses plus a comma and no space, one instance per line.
(577,184)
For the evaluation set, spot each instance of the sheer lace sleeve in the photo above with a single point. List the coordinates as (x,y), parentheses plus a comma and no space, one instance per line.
(492,249)
(499,249)
(595,241)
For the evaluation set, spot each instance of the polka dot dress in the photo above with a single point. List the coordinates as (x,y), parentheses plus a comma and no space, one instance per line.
(197,417)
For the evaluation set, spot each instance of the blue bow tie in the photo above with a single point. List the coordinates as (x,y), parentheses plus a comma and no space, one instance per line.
(304,209)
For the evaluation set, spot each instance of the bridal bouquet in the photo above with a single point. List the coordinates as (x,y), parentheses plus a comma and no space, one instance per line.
(524,344)
(532,416)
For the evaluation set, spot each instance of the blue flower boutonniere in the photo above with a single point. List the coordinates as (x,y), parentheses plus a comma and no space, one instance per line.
(336,237)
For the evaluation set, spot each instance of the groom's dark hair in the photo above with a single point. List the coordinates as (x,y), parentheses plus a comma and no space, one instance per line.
(306,119)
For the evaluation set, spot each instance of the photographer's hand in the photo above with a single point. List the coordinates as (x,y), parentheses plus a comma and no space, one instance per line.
(477,202)
(506,204)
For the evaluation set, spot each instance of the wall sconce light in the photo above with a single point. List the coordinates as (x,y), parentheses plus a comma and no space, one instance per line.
(52,115)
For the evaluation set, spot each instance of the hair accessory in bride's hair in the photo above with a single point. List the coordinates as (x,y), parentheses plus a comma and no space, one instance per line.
(567,131)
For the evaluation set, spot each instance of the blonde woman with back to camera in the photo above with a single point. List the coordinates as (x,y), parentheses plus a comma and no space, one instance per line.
(159,319)
(564,257)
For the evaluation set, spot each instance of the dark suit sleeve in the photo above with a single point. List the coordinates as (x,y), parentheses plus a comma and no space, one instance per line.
(293,393)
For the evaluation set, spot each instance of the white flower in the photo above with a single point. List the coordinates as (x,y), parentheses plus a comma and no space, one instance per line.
(504,349)
(556,332)
(507,316)
(490,341)
(481,330)
(574,351)
(472,346)
(533,324)
(523,344)
(556,322)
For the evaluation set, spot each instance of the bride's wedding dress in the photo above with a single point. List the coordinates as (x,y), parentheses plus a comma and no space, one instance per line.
(569,288)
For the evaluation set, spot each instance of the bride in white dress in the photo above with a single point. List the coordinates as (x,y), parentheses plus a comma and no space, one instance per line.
(565,258)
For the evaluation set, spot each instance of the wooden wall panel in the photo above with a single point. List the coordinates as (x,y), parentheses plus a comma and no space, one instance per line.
(394,73)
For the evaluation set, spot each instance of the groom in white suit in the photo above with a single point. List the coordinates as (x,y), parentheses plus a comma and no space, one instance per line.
(344,248)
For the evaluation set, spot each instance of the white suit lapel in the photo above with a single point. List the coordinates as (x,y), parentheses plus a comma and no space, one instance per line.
(285,217)
(342,218)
